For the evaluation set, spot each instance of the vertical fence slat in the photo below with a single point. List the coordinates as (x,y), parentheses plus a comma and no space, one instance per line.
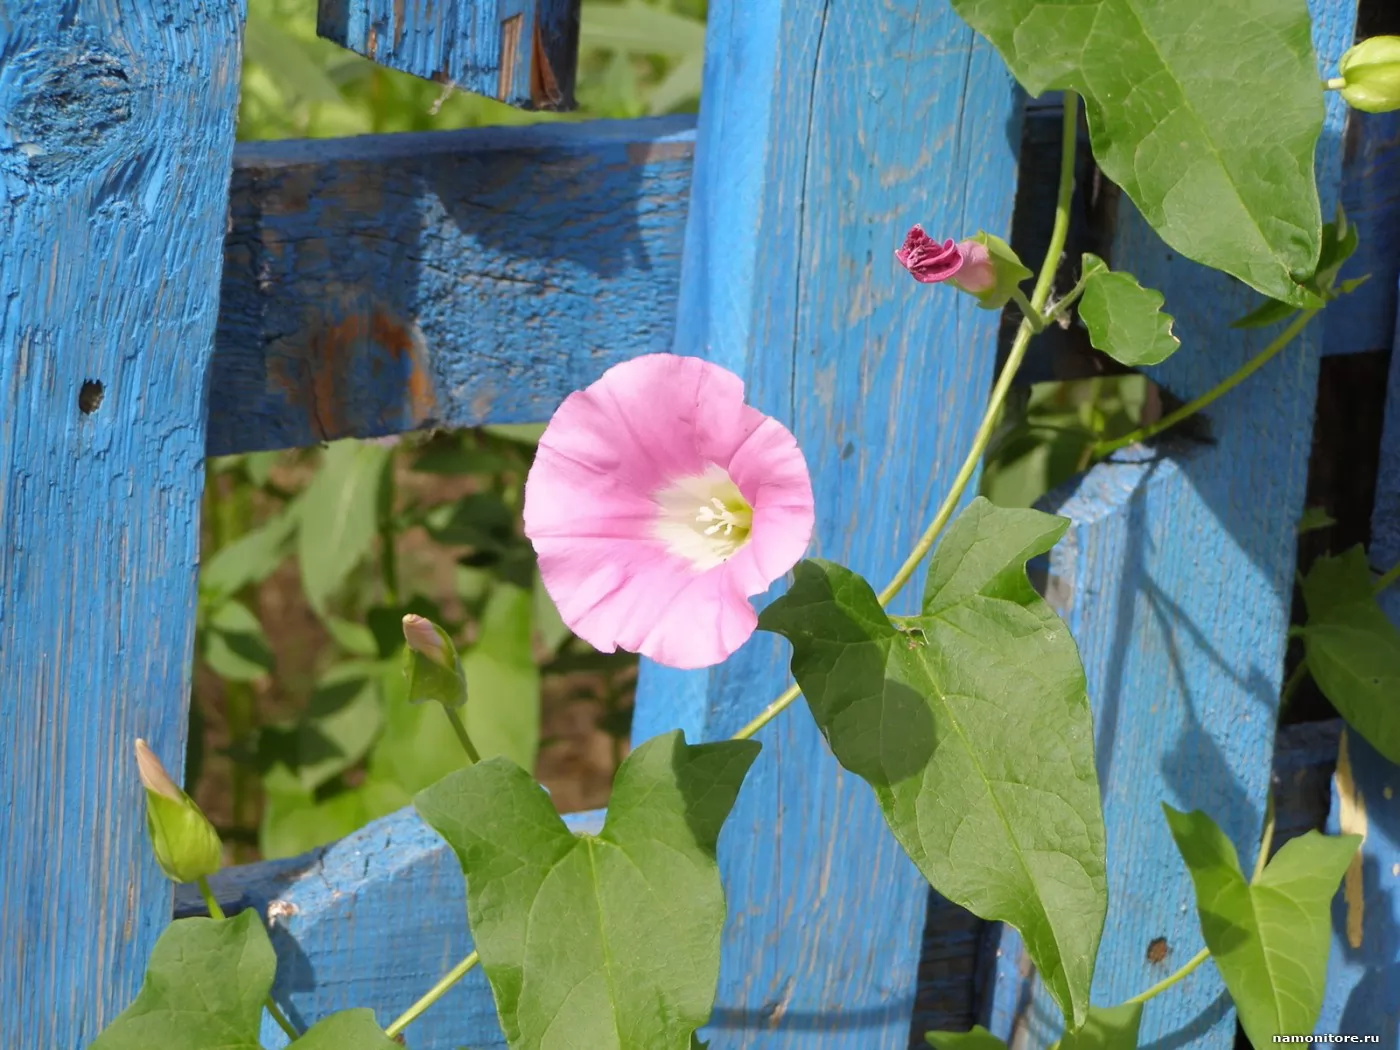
(825,130)
(1363,974)
(114,161)
(1176,580)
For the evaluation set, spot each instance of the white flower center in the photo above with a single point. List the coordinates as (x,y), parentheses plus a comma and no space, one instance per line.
(703,518)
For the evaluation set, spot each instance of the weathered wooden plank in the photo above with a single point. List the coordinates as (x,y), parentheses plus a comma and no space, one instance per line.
(372,920)
(1363,973)
(524,52)
(114,158)
(1176,580)
(814,157)
(382,283)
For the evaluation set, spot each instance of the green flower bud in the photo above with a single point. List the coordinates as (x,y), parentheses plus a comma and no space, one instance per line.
(991,271)
(185,844)
(431,665)
(1370,75)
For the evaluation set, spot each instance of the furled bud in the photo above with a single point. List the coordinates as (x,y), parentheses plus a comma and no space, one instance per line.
(185,844)
(926,260)
(1370,75)
(991,271)
(431,665)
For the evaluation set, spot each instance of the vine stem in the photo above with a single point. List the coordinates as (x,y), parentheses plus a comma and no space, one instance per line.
(433,994)
(1390,577)
(216,912)
(1043,284)
(460,728)
(1234,379)
(1166,982)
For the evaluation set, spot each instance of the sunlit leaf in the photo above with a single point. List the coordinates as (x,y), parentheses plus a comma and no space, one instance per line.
(972,724)
(1205,113)
(1124,319)
(339,517)
(347,1030)
(235,646)
(1269,940)
(639,906)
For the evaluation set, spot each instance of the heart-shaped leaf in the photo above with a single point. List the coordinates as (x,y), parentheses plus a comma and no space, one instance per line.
(1270,939)
(1205,113)
(1124,319)
(972,724)
(1106,1028)
(205,986)
(1353,649)
(347,1030)
(608,941)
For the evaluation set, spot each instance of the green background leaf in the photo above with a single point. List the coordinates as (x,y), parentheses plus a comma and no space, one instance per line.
(503,680)
(1205,113)
(1106,1028)
(973,727)
(235,646)
(1269,940)
(204,987)
(639,907)
(1353,649)
(339,516)
(1124,319)
(977,1039)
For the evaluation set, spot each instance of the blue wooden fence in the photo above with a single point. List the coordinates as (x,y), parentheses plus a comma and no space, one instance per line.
(374,285)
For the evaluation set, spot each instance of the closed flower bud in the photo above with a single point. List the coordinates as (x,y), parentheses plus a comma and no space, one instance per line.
(991,271)
(1370,75)
(431,665)
(185,844)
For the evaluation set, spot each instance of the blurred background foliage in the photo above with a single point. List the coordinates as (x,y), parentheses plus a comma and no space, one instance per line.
(300,728)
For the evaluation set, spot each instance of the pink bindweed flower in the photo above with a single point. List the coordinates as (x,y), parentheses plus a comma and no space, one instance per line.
(658,503)
(928,261)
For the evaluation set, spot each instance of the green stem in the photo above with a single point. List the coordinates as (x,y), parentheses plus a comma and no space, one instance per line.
(1294,681)
(216,912)
(460,728)
(1028,312)
(388,539)
(1069,143)
(433,994)
(1266,841)
(1258,361)
(1166,982)
(1069,299)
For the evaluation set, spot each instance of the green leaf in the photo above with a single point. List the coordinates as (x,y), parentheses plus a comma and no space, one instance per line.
(281,55)
(639,906)
(640,29)
(342,719)
(1339,241)
(973,727)
(503,680)
(347,1030)
(480,520)
(338,518)
(679,86)
(977,1039)
(1353,650)
(204,987)
(235,647)
(1205,113)
(520,433)
(1124,319)
(1106,1028)
(1315,519)
(355,638)
(251,558)
(1269,312)
(418,746)
(1269,940)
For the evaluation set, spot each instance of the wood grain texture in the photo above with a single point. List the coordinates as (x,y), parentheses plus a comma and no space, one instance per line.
(373,920)
(382,283)
(1363,972)
(826,130)
(1176,580)
(523,52)
(115,148)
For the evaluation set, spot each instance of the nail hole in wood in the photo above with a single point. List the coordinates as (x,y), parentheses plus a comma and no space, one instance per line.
(1157,950)
(90,397)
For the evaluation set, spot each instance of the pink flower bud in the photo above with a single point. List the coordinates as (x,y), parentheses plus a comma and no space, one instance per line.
(422,637)
(928,261)
(153,775)
(978,273)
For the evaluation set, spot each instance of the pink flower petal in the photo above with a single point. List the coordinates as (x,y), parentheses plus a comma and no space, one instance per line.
(928,261)
(591,509)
